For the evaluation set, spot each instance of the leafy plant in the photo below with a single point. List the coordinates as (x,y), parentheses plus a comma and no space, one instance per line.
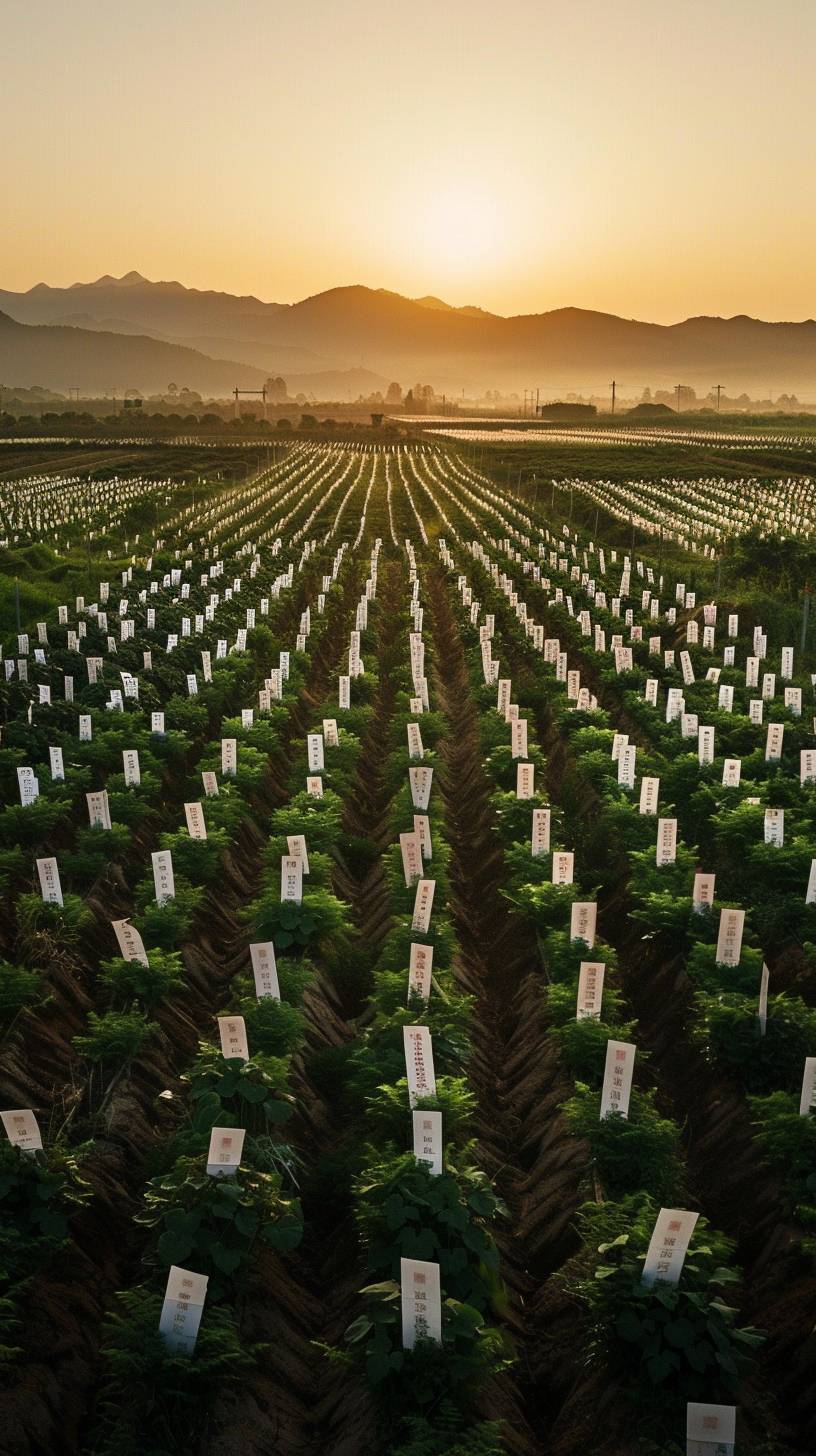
(406,1212)
(115,1037)
(152,1399)
(211,1224)
(127,980)
(681,1339)
(639,1151)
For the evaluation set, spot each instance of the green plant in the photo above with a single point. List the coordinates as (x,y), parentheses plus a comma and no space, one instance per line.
(789,1143)
(48,930)
(211,1224)
(681,1339)
(639,1151)
(149,985)
(152,1400)
(320,919)
(227,1092)
(39,1193)
(728,1031)
(19,987)
(404,1211)
(470,1352)
(115,1037)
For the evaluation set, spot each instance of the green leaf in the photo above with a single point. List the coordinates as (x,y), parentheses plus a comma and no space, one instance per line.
(227,1260)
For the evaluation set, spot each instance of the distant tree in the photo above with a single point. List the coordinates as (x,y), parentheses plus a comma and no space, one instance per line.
(393,394)
(409,399)
(308,422)
(284,424)
(172,389)
(276,391)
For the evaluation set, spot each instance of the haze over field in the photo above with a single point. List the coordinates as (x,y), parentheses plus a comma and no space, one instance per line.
(131,333)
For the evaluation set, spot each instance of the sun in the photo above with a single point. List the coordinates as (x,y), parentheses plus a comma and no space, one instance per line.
(459,225)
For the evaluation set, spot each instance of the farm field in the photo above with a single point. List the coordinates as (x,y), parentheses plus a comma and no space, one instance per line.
(408,951)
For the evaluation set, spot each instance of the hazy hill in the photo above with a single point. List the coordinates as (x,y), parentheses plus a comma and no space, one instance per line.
(61,358)
(426,339)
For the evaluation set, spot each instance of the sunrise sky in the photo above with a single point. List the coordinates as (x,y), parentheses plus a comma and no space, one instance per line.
(646,158)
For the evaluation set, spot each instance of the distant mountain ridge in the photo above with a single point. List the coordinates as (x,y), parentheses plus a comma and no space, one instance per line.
(394,337)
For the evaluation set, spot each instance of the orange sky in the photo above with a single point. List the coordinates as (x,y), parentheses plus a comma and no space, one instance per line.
(647,158)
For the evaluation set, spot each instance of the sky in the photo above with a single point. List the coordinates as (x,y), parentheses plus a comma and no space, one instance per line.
(641,157)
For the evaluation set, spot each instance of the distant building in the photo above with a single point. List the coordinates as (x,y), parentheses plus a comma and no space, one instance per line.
(560,410)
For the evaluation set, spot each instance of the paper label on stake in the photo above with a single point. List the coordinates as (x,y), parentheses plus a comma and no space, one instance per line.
(422,827)
(314,750)
(196,826)
(314,786)
(590,989)
(518,738)
(419,1063)
(583,920)
(617,1083)
(28,785)
(291,879)
(330,735)
(808,1086)
(224,1153)
(649,795)
(541,832)
(23,1130)
(48,872)
(810,896)
(668,1246)
(774,826)
(411,849)
(264,969)
(710,1429)
(627,766)
(705,745)
(415,748)
(182,1309)
(729,939)
(210,781)
(773,742)
(163,876)
(131,944)
(563,862)
(666,852)
(57,767)
(420,780)
(732,772)
(421,1302)
(98,809)
(428,1140)
(420,969)
(763,1000)
(525,780)
(423,904)
(296,844)
(229,757)
(703,893)
(232,1031)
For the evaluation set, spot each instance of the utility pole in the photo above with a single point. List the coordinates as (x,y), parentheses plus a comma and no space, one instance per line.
(613,395)
(719,390)
(677,389)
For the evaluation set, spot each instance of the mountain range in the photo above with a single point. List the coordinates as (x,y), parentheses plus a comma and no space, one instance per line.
(123,333)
